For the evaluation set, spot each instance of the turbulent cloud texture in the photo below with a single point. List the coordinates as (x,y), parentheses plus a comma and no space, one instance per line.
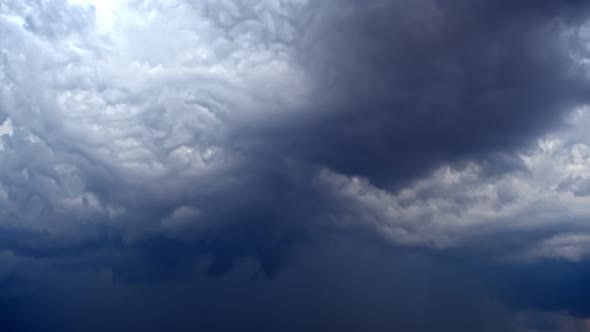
(294,165)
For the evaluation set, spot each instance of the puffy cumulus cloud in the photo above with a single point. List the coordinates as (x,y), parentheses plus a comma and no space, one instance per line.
(145,144)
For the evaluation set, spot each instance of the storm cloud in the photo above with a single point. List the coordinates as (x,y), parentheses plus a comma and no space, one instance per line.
(294,165)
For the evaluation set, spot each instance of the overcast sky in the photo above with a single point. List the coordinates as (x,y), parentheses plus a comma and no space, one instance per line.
(295,165)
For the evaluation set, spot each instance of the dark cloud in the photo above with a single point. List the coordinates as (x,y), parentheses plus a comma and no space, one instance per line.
(400,88)
(553,286)
(347,285)
(142,189)
(403,86)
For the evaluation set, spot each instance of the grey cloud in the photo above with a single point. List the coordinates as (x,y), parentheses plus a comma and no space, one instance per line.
(51,19)
(266,128)
(393,91)
(403,86)
(333,285)
(578,185)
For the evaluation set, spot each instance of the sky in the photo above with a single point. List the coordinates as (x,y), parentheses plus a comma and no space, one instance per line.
(295,165)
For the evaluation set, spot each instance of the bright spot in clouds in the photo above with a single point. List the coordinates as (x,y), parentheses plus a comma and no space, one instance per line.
(107,12)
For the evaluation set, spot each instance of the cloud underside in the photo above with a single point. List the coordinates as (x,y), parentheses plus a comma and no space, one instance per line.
(163,143)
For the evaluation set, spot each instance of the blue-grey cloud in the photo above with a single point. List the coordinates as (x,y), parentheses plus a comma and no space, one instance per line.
(301,164)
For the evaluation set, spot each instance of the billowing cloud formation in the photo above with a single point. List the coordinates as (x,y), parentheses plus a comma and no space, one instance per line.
(152,143)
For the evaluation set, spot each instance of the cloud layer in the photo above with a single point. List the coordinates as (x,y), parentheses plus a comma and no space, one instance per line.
(179,145)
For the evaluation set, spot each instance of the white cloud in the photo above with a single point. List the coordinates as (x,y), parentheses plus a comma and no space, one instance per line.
(139,94)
